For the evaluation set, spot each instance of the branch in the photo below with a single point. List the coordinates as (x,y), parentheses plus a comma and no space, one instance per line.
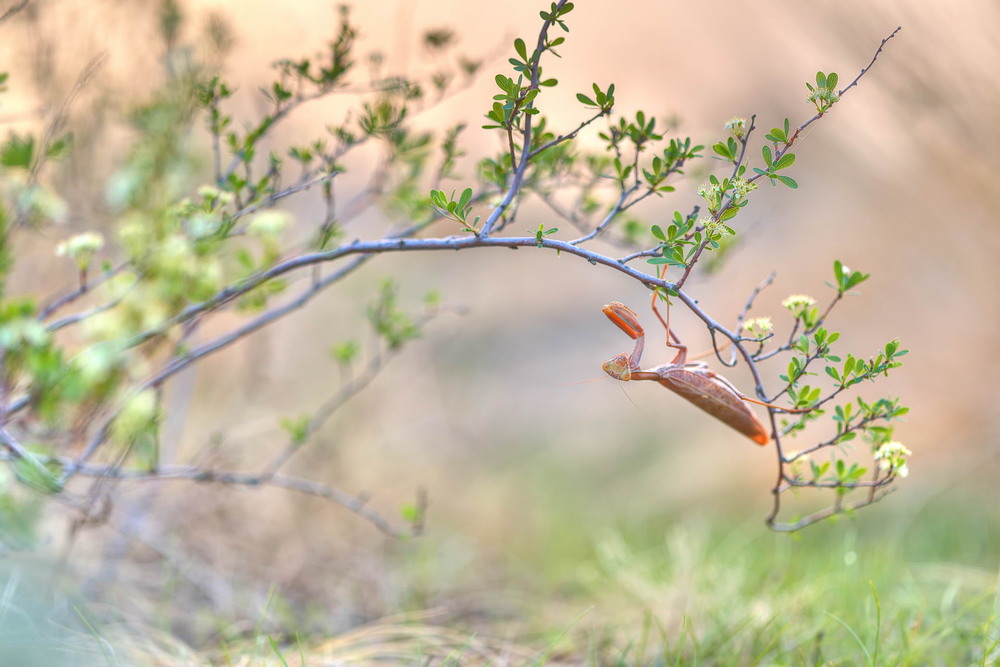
(396,244)
(356,504)
(346,391)
(820,515)
(840,94)
(864,70)
(58,302)
(566,137)
(14,9)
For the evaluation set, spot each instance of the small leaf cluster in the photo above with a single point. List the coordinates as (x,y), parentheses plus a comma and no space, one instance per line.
(604,100)
(815,344)
(456,209)
(26,201)
(638,133)
(857,370)
(824,95)
(842,475)
(860,415)
(381,118)
(677,152)
(542,232)
(678,243)
(329,69)
(557,10)
(780,135)
(391,323)
(773,164)
(297,428)
(516,98)
(513,103)
(845,279)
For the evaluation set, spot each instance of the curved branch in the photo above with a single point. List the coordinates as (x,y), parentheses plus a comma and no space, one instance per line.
(356,504)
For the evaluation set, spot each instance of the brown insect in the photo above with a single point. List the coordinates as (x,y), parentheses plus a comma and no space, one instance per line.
(694,381)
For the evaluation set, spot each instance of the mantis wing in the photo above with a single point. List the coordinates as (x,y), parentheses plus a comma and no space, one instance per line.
(716,399)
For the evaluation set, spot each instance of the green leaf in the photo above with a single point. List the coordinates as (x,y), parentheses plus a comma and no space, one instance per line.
(786,160)
(297,428)
(410,513)
(777,135)
(729,213)
(766,152)
(32,472)
(521,49)
(345,352)
(671,261)
(788,180)
(723,151)
(59,147)
(18,151)
(586,100)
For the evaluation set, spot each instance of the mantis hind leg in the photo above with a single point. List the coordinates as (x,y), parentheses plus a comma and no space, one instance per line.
(676,344)
(672,339)
(743,397)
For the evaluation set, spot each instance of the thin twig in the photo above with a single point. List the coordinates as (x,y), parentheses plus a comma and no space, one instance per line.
(356,504)
(58,302)
(14,9)
(821,514)
(346,391)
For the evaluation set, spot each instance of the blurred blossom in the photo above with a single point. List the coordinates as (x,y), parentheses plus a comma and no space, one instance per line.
(23,331)
(796,302)
(892,456)
(202,225)
(81,248)
(759,326)
(269,224)
(737,125)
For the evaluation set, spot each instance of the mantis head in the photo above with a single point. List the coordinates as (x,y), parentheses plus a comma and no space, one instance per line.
(618,367)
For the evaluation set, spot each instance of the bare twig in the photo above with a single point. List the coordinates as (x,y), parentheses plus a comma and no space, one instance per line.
(356,504)
(820,515)
(346,391)
(14,9)
(58,302)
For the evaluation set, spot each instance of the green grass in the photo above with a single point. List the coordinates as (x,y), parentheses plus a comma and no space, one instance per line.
(908,584)
(714,596)
(903,587)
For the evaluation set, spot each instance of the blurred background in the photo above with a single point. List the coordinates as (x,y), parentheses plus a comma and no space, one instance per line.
(532,466)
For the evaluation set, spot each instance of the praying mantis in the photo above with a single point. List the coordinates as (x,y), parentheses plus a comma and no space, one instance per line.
(692,380)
